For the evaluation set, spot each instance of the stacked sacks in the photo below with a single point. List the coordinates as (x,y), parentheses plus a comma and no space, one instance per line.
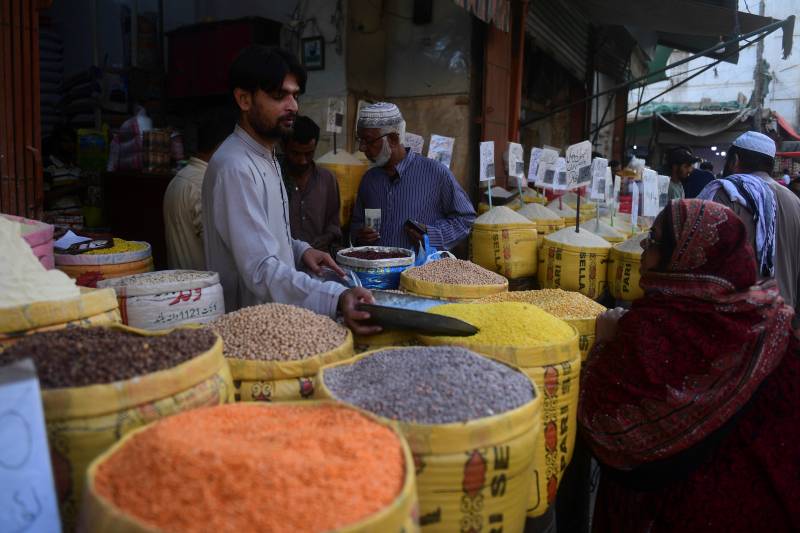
(624,262)
(504,242)
(563,210)
(545,219)
(98,384)
(574,261)
(452,279)
(619,223)
(39,237)
(287,467)
(348,170)
(123,259)
(601,229)
(472,424)
(546,349)
(275,350)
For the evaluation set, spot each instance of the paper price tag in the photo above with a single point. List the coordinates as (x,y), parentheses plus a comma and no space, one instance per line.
(533,165)
(609,192)
(27,492)
(516,162)
(578,162)
(546,172)
(663,192)
(487,161)
(415,142)
(650,193)
(600,170)
(335,115)
(615,195)
(441,149)
(634,204)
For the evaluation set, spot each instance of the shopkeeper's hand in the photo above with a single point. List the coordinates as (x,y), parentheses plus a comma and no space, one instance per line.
(353,318)
(415,236)
(315,259)
(367,236)
(605,327)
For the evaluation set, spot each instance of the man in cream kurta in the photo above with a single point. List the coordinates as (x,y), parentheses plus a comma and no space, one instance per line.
(183,225)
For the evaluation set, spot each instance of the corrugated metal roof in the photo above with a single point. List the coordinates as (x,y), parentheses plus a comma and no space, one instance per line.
(562,30)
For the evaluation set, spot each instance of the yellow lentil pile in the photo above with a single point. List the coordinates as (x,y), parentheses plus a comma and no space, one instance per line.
(120,246)
(515,324)
(565,305)
(455,272)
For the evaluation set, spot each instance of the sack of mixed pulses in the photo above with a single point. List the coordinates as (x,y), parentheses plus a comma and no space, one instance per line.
(504,242)
(275,350)
(452,279)
(168,298)
(315,466)
(100,383)
(549,355)
(472,425)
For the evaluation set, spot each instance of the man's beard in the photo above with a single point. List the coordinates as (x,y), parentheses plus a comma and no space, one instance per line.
(260,125)
(383,157)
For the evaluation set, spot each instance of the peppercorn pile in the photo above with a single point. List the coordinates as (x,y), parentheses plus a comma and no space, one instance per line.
(514,324)
(76,357)
(251,467)
(429,385)
(277,332)
(455,272)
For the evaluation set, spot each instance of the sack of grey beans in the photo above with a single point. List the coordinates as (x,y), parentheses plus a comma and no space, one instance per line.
(100,383)
(276,350)
(471,422)
(168,298)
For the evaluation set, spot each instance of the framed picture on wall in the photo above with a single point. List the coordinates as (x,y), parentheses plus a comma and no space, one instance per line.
(313,49)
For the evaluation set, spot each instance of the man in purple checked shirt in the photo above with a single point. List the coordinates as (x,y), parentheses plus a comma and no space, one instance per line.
(405,186)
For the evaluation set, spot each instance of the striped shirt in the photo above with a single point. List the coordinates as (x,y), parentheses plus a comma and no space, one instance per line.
(423,190)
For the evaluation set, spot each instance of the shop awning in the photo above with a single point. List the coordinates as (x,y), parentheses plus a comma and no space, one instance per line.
(705,123)
(490,11)
(690,25)
(785,126)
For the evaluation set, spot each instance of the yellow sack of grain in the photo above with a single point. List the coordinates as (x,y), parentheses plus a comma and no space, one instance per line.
(545,219)
(504,241)
(573,308)
(348,171)
(546,349)
(624,262)
(452,279)
(531,196)
(574,261)
(601,229)
(563,210)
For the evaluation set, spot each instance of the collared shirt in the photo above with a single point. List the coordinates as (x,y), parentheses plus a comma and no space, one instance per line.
(676,191)
(424,190)
(247,239)
(183,224)
(314,210)
(787,236)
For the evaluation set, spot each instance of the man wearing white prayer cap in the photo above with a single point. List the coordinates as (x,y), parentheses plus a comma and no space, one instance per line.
(770,212)
(405,186)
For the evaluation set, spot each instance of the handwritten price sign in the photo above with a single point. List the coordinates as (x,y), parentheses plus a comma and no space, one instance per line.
(578,168)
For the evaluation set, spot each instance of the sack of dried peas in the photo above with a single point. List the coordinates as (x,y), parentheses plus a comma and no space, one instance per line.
(546,349)
(315,466)
(275,350)
(504,242)
(100,383)
(472,425)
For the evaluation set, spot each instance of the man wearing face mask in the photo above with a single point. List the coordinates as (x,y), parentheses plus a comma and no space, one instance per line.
(245,207)
(405,186)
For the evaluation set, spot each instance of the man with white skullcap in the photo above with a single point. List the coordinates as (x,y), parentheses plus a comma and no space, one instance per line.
(770,212)
(405,186)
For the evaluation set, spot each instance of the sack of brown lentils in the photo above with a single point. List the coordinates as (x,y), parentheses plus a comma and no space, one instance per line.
(168,298)
(100,383)
(452,279)
(92,308)
(546,349)
(275,350)
(472,425)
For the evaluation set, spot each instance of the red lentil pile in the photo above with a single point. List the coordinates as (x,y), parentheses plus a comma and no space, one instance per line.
(256,468)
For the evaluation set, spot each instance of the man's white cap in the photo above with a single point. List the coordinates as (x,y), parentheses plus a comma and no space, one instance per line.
(379,115)
(756,142)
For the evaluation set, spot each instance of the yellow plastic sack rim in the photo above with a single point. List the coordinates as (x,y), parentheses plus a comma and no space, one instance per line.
(42,314)
(584,326)
(397,512)
(575,249)
(521,357)
(635,257)
(104,398)
(458,436)
(426,288)
(254,369)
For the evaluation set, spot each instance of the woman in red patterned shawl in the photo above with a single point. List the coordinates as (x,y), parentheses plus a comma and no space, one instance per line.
(691,400)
